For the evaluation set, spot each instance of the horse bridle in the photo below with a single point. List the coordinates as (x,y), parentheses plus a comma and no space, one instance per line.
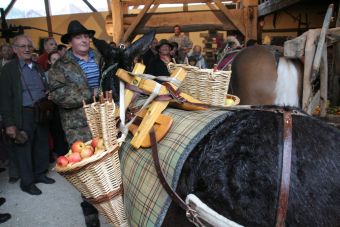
(285,172)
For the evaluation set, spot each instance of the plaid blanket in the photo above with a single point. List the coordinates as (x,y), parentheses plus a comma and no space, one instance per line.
(145,200)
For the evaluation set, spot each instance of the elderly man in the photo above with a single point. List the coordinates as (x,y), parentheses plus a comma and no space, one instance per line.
(21,86)
(73,78)
(183,41)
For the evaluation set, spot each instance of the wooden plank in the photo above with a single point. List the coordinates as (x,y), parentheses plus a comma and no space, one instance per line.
(155,109)
(139,17)
(321,43)
(236,20)
(323,83)
(295,48)
(308,62)
(315,101)
(272,6)
(116,28)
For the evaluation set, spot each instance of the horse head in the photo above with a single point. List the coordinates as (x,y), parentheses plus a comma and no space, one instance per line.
(115,58)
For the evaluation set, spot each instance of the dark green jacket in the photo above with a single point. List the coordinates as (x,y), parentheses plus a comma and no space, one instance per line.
(11,94)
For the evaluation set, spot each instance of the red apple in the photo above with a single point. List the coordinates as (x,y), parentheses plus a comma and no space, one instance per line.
(86,152)
(74,157)
(94,142)
(77,146)
(62,161)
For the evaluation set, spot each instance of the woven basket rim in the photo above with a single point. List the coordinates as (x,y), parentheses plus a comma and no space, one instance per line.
(85,163)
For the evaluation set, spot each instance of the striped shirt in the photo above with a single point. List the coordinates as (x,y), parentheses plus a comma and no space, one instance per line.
(90,69)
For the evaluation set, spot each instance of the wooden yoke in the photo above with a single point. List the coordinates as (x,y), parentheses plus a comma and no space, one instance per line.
(139,68)
(155,108)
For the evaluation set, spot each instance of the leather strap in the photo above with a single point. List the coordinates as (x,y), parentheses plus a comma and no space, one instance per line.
(175,197)
(285,171)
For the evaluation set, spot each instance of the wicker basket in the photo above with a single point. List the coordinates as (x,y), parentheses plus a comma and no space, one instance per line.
(98,177)
(204,84)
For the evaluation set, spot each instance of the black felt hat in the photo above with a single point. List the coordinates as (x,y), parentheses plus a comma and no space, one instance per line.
(164,42)
(75,28)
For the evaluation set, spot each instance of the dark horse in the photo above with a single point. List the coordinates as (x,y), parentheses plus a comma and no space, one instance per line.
(235,169)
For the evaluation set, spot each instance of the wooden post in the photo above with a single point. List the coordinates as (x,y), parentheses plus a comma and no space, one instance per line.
(321,43)
(335,79)
(48,18)
(250,21)
(117,21)
(309,56)
(323,83)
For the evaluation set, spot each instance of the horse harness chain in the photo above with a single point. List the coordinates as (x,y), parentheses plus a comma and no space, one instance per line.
(282,207)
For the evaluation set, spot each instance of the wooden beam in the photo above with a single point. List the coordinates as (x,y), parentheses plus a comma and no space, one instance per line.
(143,2)
(116,28)
(235,20)
(90,6)
(187,28)
(189,21)
(48,18)
(250,19)
(321,43)
(271,6)
(9,7)
(132,27)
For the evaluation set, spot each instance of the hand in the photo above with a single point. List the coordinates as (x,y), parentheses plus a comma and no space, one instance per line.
(11,131)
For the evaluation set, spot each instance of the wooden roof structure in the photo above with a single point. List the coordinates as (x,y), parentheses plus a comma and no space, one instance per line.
(243,17)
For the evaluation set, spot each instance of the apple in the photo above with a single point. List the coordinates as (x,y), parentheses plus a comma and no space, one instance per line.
(77,146)
(94,142)
(74,157)
(100,144)
(62,161)
(86,152)
(98,150)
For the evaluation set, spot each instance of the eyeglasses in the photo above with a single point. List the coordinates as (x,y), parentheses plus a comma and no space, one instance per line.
(25,46)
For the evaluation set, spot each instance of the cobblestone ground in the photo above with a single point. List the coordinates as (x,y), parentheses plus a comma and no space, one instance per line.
(59,204)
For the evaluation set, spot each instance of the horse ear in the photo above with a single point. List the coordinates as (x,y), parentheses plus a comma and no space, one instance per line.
(106,50)
(140,46)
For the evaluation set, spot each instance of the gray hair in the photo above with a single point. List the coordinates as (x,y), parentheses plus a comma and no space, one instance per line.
(22,36)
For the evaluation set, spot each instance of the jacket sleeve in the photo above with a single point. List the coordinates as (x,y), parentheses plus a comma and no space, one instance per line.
(6,97)
(66,93)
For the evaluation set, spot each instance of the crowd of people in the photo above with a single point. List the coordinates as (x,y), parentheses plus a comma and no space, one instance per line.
(64,75)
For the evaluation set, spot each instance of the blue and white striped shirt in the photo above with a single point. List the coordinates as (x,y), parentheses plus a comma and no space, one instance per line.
(90,69)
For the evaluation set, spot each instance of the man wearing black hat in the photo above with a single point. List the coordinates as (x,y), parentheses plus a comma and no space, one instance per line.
(74,78)
(158,65)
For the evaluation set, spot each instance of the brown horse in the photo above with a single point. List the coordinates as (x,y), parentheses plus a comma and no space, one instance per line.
(258,80)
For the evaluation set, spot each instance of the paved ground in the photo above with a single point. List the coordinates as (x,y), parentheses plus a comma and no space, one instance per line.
(59,204)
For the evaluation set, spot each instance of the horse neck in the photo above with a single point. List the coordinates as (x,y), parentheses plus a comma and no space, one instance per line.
(288,84)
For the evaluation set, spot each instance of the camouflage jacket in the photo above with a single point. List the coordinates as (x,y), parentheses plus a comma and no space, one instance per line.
(68,89)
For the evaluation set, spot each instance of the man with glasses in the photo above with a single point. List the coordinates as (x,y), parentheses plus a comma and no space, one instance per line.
(21,86)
